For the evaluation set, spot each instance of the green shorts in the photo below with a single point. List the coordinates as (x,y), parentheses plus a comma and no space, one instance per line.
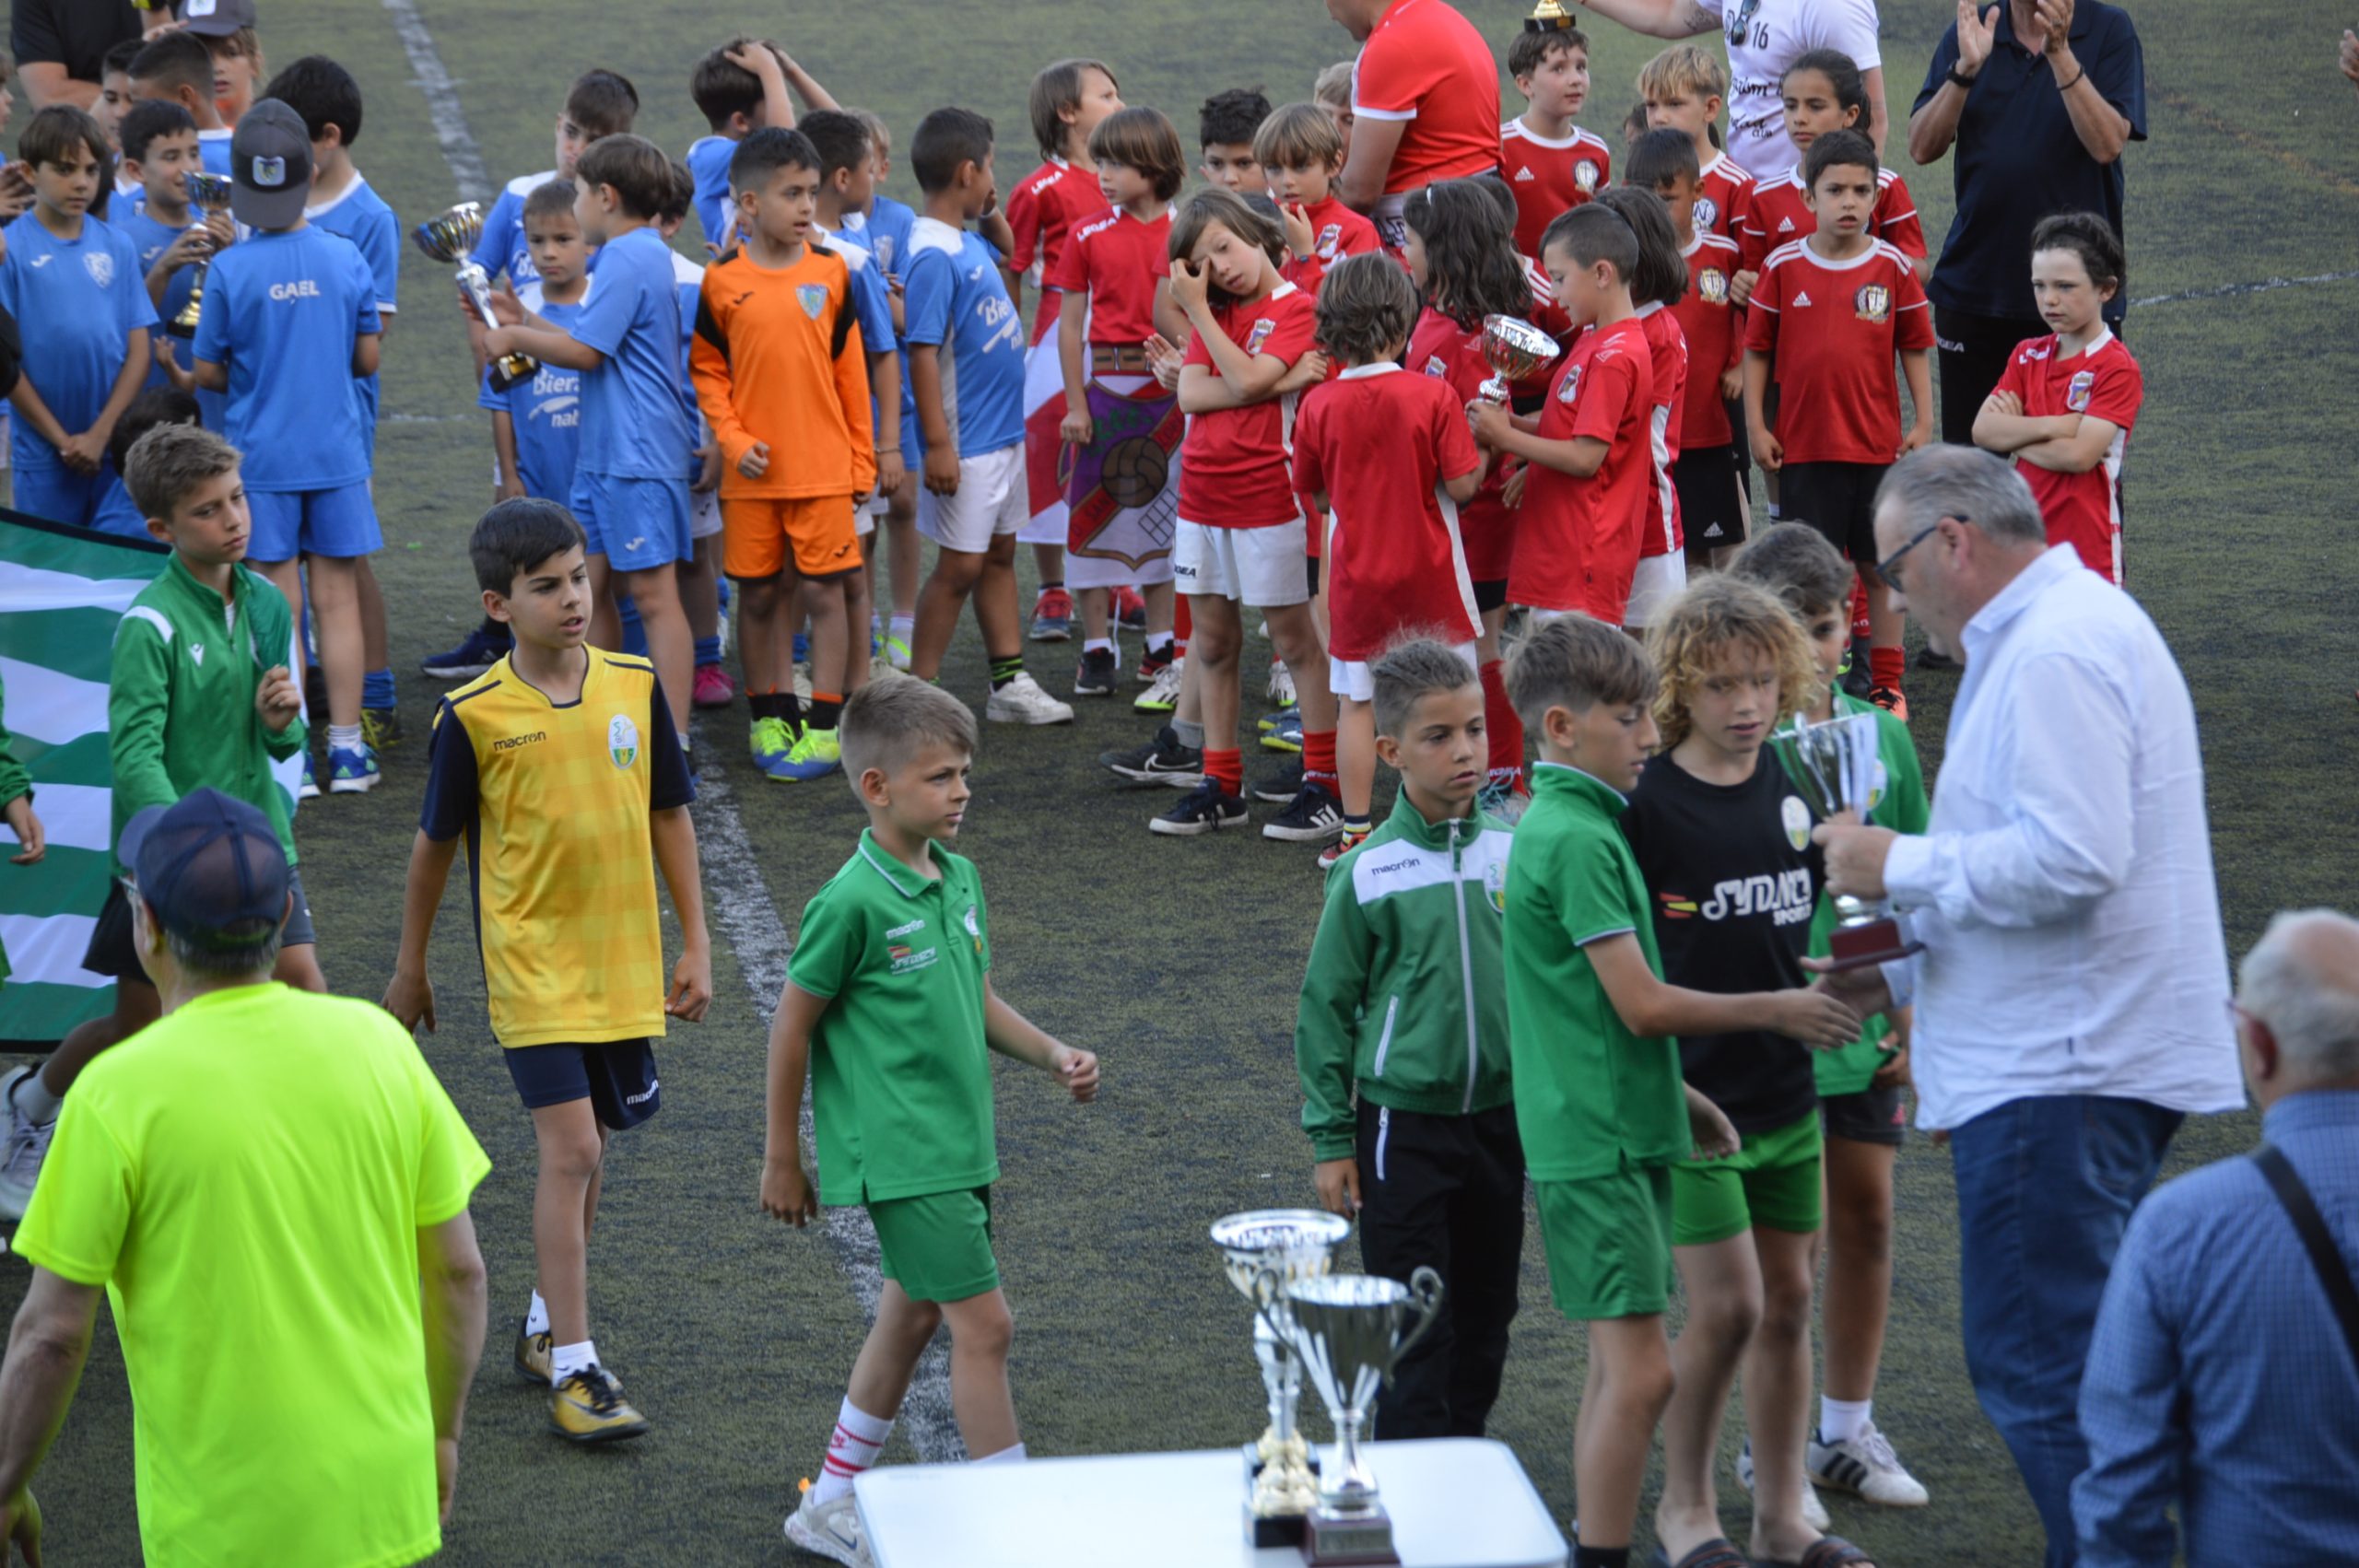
(1608,1241)
(938,1247)
(1772,1182)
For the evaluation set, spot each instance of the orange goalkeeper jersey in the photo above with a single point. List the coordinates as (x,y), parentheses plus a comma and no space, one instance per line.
(777,358)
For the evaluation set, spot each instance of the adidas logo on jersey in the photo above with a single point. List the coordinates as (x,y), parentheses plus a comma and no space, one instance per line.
(1800,299)
(1785,226)
(1524,174)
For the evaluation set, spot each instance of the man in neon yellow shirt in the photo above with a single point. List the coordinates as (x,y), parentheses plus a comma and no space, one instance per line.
(262,1266)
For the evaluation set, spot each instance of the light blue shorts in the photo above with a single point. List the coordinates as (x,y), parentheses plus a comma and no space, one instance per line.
(339,523)
(55,493)
(638,525)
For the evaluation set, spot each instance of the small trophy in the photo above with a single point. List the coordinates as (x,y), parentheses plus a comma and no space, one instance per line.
(1265,1251)
(449,238)
(1550,15)
(1835,764)
(209,194)
(1516,349)
(1352,1330)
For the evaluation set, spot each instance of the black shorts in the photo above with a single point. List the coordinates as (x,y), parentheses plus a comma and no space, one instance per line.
(112,953)
(1489,596)
(1711,499)
(1837,498)
(618,1077)
(1871,1115)
(1311,573)
(1740,439)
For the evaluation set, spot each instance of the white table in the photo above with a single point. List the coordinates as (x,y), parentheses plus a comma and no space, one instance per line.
(1456,1503)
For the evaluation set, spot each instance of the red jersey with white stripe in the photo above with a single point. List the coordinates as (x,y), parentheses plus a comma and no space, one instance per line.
(1726,199)
(1668,345)
(1576,543)
(1336,231)
(1043,209)
(1831,329)
(1442,350)
(1426,66)
(1380,442)
(1780,213)
(1116,260)
(1715,334)
(2104,382)
(1235,464)
(1549,176)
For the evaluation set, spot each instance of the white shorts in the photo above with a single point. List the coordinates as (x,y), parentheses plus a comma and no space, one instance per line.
(1350,677)
(863,520)
(1266,567)
(704,513)
(991,500)
(1659,580)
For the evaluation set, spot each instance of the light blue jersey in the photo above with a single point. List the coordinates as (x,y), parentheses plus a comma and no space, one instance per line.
(954,298)
(76,303)
(708,161)
(213,148)
(885,231)
(635,424)
(502,248)
(546,412)
(362,217)
(282,310)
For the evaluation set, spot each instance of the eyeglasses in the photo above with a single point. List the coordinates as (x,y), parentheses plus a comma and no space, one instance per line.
(1888,569)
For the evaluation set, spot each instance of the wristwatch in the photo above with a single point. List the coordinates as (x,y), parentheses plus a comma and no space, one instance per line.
(1958,81)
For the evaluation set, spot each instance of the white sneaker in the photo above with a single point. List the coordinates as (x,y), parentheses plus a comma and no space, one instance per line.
(26,1146)
(1162,694)
(1814,1510)
(830,1529)
(1022,701)
(1866,1466)
(1280,687)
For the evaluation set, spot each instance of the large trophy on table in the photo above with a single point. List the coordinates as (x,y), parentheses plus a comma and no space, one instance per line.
(1352,1330)
(450,239)
(1267,1250)
(1516,349)
(209,194)
(1836,765)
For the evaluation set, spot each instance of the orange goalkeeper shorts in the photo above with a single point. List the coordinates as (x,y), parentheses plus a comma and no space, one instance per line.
(758,532)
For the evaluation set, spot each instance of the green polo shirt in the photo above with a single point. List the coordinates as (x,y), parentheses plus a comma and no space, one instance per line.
(900,1073)
(1589,1095)
(1898,802)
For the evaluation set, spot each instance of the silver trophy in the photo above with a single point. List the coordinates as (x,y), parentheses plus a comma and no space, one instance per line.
(1265,1250)
(1352,1330)
(449,238)
(1835,764)
(209,194)
(1516,349)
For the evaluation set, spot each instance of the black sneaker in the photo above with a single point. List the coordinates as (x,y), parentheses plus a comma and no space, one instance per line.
(1161,761)
(479,652)
(1315,817)
(1097,674)
(1280,788)
(1856,678)
(1206,809)
(1927,660)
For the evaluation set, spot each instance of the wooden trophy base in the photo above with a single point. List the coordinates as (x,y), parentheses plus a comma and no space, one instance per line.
(1878,942)
(1362,1540)
(1265,1530)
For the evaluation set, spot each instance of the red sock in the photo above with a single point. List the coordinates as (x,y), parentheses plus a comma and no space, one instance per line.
(1318,760)
(1498,717)
(1182,622)
(1886,666)
(1860,609)
(1227,768)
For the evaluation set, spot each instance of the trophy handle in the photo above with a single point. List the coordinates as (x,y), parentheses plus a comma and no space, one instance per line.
(1269,1290)
(1424,1299)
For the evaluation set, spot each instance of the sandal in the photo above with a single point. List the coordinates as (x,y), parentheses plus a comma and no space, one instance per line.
(1718,1552)
(1827,1552)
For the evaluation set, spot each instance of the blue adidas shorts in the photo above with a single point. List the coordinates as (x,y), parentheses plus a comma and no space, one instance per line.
(339,523)
(638,525)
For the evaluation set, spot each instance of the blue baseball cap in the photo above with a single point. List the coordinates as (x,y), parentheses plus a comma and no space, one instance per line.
(207,865)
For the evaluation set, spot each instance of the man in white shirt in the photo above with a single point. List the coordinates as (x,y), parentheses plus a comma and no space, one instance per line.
(2072,997)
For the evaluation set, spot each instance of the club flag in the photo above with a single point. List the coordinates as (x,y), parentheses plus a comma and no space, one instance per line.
(63,591)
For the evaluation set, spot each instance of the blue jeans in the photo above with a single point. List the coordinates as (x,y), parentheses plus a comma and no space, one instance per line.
(2045,1188)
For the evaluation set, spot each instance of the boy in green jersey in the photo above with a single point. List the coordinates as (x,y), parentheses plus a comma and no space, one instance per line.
(1403,1010)
(1598,1096)
(1859,1085)
(888,1008)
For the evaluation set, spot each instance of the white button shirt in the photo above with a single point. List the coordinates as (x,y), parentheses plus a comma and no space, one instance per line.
(2063,889)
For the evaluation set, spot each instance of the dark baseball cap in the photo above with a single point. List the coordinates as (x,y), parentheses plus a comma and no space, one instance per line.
(207,865)
(270,167)
(215,18)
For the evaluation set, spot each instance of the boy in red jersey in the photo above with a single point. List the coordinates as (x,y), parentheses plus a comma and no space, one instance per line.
(1705,467)
(1827,316)
(1069,98)
(1683,88)
(1389,453)
(1657,284)
(1300,153)
(2065,405)
(1551,164)
(1588,449)
(1823,91)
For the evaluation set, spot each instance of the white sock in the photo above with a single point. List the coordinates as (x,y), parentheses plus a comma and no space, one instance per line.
(1097,645)
(1839,1420)
(684,746)
(536,1316)
(904,625)
(859,1438)
(34,1100)
(566,1360)
(1013,1454)
(344,737)
(1158,644)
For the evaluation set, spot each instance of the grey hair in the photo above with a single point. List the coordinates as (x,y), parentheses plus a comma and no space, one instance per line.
(1979,489)
(215,963)
(1413,669)
(2312,1008)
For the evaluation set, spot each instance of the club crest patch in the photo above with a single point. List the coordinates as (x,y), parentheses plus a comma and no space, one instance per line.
(1796,816)
(1330,239)
(100,266)
(622,740)
(1707,213)
(1434,366)
(811,296)
(1585,174)
(269,173)
(1570,389)
(974,928)
(1872,302)
(1495,886)
(1262,328)
(2077,391)
(1712,285)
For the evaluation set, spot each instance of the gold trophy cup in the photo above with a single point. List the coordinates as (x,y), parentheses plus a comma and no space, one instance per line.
(209,194)
(1550,15)
(449,238)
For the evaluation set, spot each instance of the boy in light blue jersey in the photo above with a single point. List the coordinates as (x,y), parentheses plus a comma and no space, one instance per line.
(600,103)
(885,230)
(967,362)
(343,202)
(73,285)
(159,152)
(289,326)
(740,87)
(630,494)
(536,423)
(177,68)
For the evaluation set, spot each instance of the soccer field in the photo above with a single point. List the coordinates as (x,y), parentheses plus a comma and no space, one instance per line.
(1178,960)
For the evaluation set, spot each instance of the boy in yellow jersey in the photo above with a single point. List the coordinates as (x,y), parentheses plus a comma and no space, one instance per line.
(562,767)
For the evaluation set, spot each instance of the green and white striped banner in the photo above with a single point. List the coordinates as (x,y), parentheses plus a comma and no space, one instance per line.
(61,591)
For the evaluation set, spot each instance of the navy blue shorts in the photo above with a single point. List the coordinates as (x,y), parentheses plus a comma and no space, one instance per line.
(113,952)
(618,1077)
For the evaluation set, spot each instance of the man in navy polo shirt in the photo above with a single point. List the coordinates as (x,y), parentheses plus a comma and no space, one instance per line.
(2039,96)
